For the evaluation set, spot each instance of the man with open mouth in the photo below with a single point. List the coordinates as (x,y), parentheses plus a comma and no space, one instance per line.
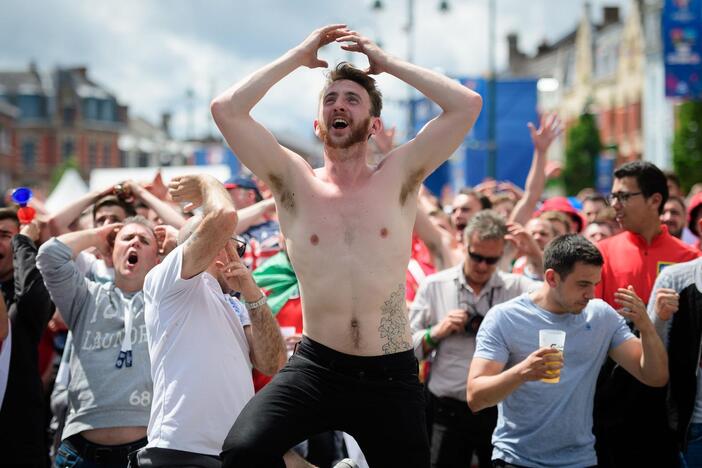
(109,394)
(348,227)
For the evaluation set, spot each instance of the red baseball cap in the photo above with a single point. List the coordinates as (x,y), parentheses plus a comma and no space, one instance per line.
(692,212)
(563,205)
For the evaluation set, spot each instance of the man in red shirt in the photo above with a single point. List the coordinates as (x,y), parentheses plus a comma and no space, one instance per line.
(630,423)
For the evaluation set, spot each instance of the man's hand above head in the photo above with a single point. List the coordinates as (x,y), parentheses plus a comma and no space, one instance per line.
(377,58)
(309,48)
(105,238)
(188,189)
(549,129)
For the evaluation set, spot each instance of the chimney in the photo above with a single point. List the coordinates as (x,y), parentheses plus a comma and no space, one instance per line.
(81,71)
(610,15)
(514,54)
(166,123)
(543,47)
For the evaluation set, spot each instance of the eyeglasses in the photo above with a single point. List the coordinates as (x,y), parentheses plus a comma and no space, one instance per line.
(622,197)
(477,258)
(240,245)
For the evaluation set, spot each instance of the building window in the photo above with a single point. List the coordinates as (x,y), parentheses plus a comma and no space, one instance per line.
(29,156)
(31,106)
(92,155)
(107,111)
(5,146)
(67,149)
(69,115)
(90,109)
(142,159)
(107,155)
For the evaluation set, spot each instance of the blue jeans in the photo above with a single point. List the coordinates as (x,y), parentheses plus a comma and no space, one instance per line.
(692,458)
(68,457)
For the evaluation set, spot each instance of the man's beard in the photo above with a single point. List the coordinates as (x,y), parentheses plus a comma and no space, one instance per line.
(359,134)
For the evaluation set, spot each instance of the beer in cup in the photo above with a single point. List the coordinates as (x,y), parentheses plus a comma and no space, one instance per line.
(552,339)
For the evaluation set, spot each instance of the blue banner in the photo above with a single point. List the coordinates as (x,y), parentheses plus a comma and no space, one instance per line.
(681,26)
(217,154)
(515,106)
(605,173)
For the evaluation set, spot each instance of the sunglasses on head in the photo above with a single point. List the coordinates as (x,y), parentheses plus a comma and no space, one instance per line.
(240,245)
(477,258)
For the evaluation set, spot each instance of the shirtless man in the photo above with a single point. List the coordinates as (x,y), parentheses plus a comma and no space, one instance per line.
(348,230)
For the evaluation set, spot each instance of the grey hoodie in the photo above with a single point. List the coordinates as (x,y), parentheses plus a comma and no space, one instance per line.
(100,394)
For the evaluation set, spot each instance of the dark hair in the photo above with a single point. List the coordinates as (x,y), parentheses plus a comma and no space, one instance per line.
(112,200)
(485,203)
(679,200)
(9,213)
(671,176)
(649,178)
(564,251)
(595,197)
(346,71)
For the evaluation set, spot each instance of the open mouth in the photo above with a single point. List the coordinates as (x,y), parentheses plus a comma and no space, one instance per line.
(339,123)
(132,259)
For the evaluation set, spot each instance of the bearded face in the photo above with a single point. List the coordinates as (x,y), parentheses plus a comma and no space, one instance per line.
(344,132)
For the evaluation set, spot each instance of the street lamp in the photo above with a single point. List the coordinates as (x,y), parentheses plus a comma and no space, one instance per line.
(444,6)
(409,28)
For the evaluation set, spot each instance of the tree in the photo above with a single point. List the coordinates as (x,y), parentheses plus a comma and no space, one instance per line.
(582,149)
(687,144)
(57,173)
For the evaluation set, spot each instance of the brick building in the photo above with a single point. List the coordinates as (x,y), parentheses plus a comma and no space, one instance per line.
(60,115)
(599,66)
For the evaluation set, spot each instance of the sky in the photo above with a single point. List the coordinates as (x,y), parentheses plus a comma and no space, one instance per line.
(149,53)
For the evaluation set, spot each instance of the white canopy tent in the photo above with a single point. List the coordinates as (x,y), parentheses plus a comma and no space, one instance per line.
(69,188)
(101,178)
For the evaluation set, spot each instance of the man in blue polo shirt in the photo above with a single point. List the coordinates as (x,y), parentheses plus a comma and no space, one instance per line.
(543,424)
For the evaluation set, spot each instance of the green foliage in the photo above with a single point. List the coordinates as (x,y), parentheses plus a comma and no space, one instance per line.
(687,144)
(582,149)
(57,173)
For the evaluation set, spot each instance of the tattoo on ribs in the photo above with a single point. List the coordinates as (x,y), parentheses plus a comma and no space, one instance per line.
(393,322)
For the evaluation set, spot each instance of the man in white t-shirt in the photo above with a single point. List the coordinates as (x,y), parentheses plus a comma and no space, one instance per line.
(202,341)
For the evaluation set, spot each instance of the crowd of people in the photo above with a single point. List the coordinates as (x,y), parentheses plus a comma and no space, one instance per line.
(344,315)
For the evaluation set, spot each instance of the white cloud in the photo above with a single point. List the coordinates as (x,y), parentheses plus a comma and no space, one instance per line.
(150,53)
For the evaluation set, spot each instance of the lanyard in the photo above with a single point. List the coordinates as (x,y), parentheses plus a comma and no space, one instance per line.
(125,353)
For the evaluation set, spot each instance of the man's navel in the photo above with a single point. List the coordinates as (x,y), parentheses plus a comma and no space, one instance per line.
(314,239)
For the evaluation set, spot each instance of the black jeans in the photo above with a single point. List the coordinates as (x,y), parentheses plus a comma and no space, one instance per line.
(458,432)
(378,400)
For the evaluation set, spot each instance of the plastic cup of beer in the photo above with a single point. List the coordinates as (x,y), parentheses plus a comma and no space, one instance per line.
(552,339)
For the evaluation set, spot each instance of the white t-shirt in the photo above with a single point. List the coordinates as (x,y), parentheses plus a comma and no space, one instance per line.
(200,362)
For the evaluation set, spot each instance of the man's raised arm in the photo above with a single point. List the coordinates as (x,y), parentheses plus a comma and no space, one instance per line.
(253,144)
(210,234)
(441,136)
